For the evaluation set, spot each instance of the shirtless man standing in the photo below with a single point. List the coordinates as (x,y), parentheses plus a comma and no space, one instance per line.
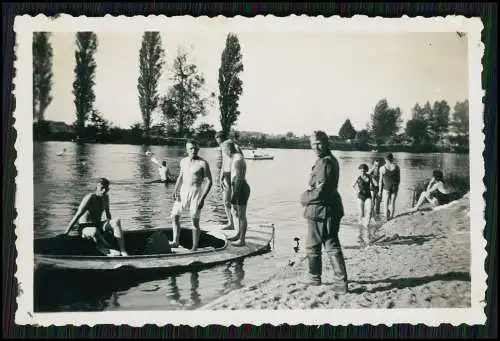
(240,190)
(225,179)
(90,225)
(193,172)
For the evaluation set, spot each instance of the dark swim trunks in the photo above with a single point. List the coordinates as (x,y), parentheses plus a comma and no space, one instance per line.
(241,197)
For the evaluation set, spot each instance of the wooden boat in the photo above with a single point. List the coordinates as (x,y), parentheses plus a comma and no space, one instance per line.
(149,250)
(260,157)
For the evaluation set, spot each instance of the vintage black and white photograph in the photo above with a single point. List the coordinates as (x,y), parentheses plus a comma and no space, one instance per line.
(249,170)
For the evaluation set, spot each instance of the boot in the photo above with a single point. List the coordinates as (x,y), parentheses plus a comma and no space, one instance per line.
(315,267)
(337,261)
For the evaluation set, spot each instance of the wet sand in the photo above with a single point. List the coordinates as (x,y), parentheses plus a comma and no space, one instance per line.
(417,260)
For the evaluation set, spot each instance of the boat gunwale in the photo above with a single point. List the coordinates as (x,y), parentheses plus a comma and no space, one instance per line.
(216,234)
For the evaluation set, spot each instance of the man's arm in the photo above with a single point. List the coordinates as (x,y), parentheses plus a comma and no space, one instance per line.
(238,166)
(179,179)
(81,210)
(316,195)
(208,178)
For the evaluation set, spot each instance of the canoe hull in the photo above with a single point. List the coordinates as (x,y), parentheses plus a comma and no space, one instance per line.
(258,241)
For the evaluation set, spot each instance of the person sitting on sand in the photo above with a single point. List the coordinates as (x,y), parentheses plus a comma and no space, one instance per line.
(374,173)
(363,184)
(194,171)
(436,194)
(240,190)
(162,168)
(390,179)
(106,234)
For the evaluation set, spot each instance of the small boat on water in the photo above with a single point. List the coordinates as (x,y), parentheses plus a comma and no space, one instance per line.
(256,156)
(259,157)
(149,250)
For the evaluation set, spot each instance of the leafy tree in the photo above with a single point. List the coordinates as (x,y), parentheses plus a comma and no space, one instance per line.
(150,67)
(440,118)
(290,135)
(417,113)
(85,67)
(362,137)
(347,131)
(385,121)
(417,130)
(461,117)
(97,125)
(230,85)
(184,102)
(42,74)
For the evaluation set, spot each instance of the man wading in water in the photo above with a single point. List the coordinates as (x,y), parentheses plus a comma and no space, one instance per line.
(323,212)
(194,171)
(107,234)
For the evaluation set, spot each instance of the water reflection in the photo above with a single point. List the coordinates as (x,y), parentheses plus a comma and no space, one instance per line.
(195,285)
(234,274)
(145,202)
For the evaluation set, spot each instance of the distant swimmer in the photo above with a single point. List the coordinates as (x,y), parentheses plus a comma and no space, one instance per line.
(162,167)
(62,152)
(194,171)
(106,234)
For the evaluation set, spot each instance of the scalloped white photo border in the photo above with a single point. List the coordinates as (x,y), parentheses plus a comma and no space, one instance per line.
(25,25)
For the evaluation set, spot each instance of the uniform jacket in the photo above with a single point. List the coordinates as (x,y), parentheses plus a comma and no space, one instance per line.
(322,199)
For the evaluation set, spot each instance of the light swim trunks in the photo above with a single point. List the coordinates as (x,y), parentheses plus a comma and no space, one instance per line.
(189,199)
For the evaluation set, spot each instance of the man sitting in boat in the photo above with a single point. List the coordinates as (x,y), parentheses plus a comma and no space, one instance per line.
(106,234)
(194,171)
(240,190)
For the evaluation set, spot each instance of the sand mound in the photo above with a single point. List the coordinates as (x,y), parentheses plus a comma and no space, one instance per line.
(419,260)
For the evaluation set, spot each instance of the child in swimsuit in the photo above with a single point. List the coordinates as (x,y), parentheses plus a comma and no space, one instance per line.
(363,185)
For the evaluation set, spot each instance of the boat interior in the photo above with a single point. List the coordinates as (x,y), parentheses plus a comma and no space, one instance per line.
(137,243)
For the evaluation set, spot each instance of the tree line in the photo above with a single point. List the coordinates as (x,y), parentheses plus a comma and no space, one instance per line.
(183,103)
(430,126)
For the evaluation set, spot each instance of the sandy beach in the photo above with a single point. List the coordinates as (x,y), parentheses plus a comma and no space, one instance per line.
(417,260)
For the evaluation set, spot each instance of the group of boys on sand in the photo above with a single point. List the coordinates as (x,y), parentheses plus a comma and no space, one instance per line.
(191,189)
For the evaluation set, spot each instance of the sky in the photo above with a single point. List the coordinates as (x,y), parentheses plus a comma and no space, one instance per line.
(292,81)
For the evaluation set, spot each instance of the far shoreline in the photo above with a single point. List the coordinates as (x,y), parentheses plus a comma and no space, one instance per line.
(347,148)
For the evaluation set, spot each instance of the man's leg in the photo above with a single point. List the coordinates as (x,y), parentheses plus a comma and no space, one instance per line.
(242,224)
(196,233)
(335,255)
(118,233)
(313,249)
(176,226)
(393,202)
(227,205)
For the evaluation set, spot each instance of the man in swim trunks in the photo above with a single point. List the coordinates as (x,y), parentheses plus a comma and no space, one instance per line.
(240,190)
(194,171)
(389,182)
(225,179)
(106,234)
(323,210)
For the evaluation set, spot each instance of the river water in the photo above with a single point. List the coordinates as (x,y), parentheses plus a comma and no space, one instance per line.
(61,181)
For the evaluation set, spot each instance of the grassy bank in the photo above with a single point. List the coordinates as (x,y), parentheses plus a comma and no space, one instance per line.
(416,260)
